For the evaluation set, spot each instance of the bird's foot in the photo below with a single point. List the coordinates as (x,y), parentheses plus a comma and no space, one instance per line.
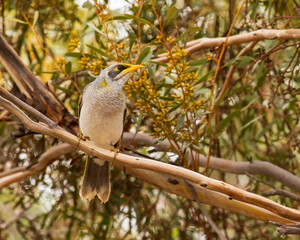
(83,138)
(115,150)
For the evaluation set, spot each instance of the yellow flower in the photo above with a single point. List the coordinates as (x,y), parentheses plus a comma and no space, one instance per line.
(73,44)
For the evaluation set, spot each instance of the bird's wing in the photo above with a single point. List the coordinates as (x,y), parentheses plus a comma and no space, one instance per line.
(80,106)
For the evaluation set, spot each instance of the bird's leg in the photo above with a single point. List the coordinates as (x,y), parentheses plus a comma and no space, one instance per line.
(81,137)
(116,149)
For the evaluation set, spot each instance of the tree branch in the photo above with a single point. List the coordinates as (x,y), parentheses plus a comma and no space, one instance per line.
(155,166)
(262,34)
(224,165)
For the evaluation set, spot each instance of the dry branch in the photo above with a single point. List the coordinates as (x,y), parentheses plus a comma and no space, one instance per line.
(224,165)
(158,167)
(34,90)
(262,34)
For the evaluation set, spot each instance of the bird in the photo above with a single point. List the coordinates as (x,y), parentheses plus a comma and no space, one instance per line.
(101,116)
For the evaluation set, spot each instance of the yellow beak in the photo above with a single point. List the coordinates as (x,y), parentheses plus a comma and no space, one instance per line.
(132,68)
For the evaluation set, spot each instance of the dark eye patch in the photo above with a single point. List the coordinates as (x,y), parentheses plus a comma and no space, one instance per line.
(120,68)
(116,71)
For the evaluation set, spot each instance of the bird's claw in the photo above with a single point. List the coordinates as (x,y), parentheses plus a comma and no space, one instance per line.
(116,151)
(83,138)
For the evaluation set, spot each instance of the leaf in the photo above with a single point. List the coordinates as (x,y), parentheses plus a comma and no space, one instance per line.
(95,28)
(250,122)
(205,77)
(73,54)
(175,108)
(17,20)
(265,129)
(68,67)
(63,89)
(171,14)
(143,55)
(180,122)
(202,91)
(151,71)
(87,5)
(261,74)
(139,120)
(184,37)
(231,62)
(244,60)
(35,17)
(128,17)
(97,50)
(223,124)
(199,62)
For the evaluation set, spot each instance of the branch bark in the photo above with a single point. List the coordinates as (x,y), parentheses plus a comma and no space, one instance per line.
(154,166)
(262,34)
(34,90)
(224,165)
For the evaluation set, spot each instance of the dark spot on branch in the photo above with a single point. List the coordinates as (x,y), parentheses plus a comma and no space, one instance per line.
(203,185)
(173,181)
(230,198)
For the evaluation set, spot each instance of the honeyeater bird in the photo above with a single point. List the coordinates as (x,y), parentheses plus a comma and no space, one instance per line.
(101,114)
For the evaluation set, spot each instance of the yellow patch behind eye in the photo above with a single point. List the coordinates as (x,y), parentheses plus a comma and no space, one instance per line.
(116,69)
(103,83)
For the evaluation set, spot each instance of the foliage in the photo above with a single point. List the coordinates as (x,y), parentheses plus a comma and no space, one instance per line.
(257,118)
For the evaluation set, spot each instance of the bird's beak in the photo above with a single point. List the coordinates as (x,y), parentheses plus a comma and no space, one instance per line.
(132,68)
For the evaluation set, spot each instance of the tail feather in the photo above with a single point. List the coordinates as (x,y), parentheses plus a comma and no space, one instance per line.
(96,181)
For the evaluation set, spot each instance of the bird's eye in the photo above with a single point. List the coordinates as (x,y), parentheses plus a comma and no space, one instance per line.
(121,68)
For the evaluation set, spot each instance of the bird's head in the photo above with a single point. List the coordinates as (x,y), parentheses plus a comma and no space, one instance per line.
(117,74)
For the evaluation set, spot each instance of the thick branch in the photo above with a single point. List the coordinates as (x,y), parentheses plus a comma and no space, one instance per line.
(253,167)
(262,34)
(147,164)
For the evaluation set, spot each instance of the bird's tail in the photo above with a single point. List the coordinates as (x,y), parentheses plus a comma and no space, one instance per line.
(96,180)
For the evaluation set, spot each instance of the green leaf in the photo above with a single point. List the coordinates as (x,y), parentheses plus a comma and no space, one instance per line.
(175,107)
(35,17)
(261,74)
(231,62)
(199,62)
(151,71)
(244,60)
(17,20)
(250,122)
(73,54)
(97,50)
(202,91)
(63,89)
(87,5)
(180,122)
(223,124)
(139,120)
(185,36)
(128,17)
(68,67)
(265,129)
(171,15)
(205,77)
(143,55)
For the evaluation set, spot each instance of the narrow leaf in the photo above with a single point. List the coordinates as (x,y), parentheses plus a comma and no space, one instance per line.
(171,14)
(68,68)
(35,18)
(143,55)
(180,122)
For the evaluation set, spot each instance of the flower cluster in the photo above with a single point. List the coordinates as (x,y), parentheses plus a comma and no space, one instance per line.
(83,62)
(73,44)
(96,67)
